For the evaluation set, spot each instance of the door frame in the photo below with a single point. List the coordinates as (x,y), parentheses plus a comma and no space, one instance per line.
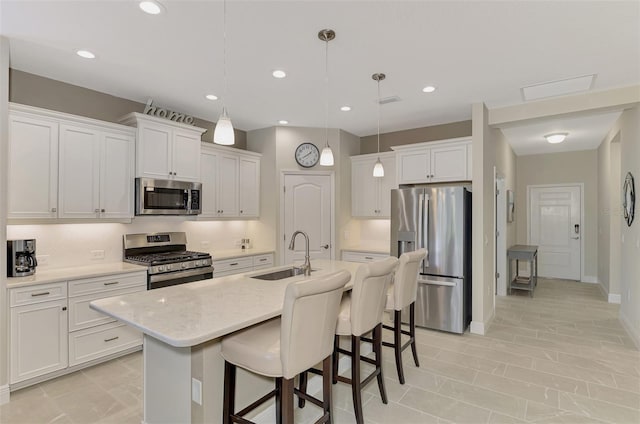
(282,244)
(500,227)
(579,185)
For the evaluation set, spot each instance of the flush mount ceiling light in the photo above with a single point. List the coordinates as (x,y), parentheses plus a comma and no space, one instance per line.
(151,7)
(326,158)
(86,54)
(223,134)
(378,169)
(429,89)
(283,122)
(211,97)
(556,137)
(278,73)
(345,108)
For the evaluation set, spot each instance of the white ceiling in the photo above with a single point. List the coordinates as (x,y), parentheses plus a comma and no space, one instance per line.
(472,51)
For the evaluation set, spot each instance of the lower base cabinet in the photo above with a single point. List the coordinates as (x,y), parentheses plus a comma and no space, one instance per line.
(103,340)
(364,257)
(224,267)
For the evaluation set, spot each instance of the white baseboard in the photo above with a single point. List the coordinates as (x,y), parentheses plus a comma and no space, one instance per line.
(591,279)
(634,333)
(614,298)
(481,328)
(4,394)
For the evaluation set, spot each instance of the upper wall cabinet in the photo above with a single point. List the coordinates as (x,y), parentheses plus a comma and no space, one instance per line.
(164,149)
(434,162)
(371,196)
(66,166)
(230,182)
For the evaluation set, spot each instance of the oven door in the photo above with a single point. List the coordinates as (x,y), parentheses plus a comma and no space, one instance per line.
(179,277)
(167,197)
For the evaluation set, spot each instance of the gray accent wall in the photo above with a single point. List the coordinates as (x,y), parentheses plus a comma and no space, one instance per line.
(369,144)
(35,90)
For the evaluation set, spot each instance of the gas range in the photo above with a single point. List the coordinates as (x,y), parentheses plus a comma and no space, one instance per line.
(167,260)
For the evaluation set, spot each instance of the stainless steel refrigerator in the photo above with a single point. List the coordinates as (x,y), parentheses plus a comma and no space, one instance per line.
(437,218)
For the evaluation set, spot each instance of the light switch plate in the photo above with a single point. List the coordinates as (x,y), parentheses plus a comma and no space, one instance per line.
(196,391)
(97,254)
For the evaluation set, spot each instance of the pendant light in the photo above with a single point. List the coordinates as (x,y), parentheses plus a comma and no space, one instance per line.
(326,158)
(223,134)
(378,169)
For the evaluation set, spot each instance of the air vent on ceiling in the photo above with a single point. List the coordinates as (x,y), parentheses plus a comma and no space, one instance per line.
(558,88)
(390,99)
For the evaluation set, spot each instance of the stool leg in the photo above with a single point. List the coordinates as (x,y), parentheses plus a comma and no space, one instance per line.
(327,379)
(228,405)
(355,379)
(335,357)
(397,343)
(303,388)
(286,401)
(377,349)
(412,332)
(279,400)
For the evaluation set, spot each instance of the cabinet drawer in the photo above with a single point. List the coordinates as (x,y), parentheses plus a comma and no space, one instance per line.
(82,316)
(37,294)
(96,342)
(110,282)
(363,257)
(232,264)
(231,272)
(263,260)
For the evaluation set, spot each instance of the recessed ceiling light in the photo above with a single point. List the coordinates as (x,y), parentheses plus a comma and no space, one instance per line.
(283,122)
(211,97)
(86,54)
(278,73)
(556,137)
(151,7)
(345,108)
(429,89)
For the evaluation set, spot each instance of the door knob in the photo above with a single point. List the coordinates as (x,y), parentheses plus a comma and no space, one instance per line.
(326,246)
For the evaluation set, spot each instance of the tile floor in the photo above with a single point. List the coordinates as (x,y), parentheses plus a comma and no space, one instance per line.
(561,357)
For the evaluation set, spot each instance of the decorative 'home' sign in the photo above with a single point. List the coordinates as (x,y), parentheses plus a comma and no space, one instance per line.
(149,109)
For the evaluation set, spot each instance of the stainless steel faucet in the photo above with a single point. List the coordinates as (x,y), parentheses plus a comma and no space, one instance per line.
(307,263)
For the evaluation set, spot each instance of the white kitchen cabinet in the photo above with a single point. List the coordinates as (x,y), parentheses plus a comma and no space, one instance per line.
(434,162)
(165,149)
(371,196)
(363,257)
(230,183)
(38,331)
(95,173)
(33,166)
(247,263)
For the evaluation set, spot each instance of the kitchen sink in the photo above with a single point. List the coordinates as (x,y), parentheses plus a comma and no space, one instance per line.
(279,275)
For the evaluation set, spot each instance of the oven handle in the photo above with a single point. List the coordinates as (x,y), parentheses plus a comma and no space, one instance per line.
(179,274)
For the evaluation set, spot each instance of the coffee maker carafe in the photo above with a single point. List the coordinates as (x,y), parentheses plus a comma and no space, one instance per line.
(21,258)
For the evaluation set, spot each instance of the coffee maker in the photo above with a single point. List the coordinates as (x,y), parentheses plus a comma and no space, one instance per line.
(21,258)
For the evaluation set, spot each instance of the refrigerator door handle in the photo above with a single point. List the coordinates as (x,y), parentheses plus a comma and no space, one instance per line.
(425,234)
(420,238)
(436,283)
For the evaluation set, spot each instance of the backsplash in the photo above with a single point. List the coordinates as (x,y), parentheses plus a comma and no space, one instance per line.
(66,245)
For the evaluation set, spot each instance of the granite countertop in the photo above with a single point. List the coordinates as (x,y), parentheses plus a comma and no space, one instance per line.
(43,276)
(238,253)
(367,249)
(191,314)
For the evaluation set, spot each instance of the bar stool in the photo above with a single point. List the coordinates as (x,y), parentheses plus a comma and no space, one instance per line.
(401,294)
(360,313)
(285,347)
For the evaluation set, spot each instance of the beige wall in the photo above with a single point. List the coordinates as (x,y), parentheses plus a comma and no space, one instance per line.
(35,90)
(562,168)
(369,144)
(4,137)
(506,166)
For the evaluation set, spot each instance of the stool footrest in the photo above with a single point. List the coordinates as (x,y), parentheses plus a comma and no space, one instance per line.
(307,397)
(254,405)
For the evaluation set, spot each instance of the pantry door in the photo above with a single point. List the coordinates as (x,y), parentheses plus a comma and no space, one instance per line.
(308,207)
(555,226)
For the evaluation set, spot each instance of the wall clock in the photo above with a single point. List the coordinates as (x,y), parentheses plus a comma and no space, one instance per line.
(307,155)
(628,198)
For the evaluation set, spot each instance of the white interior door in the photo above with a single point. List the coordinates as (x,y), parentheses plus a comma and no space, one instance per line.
(307,207)
(555,227)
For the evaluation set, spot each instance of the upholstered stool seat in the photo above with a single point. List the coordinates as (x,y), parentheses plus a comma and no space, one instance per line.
(287,346)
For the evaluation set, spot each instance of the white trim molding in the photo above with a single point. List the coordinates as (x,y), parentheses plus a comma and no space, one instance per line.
(480,328)
(634,333)
(614,298)
(4,394)
(589,279)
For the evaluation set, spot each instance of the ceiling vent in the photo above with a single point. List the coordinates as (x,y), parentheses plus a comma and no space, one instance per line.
(391,99)
(558,87)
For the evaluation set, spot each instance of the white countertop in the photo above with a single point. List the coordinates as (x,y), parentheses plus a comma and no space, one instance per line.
(43,276)
(190,314)
(238,253)
(367,249)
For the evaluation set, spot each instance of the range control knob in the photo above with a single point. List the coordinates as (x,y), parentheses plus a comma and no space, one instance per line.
(169,267)
(184,265)
(197,263)
(161,268)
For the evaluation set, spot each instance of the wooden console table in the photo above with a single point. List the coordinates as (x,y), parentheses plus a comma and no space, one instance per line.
(521,252)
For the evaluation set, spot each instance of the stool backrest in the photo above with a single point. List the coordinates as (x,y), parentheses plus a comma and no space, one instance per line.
(369,294)
(309,319)
(405,282)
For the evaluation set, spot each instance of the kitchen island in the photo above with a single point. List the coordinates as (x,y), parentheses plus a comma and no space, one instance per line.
(183,326)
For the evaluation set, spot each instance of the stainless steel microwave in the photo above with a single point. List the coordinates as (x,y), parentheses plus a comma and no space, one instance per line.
(167,197)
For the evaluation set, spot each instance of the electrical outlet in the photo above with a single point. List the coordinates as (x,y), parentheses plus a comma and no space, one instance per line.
(238,242)
(97,254)
(204,244)
(196,391)
(42,260)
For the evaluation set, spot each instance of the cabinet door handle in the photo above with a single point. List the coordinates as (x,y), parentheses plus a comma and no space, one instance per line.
(326,246)
(64,308)
(263,259)
(233,264)
(102,210)
(112,339)
(240,210)
(111,283)
(40,294)
(368,257)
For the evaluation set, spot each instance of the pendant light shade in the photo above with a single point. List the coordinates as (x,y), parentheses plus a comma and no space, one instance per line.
(378,169)
(223,134)
(326,158)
